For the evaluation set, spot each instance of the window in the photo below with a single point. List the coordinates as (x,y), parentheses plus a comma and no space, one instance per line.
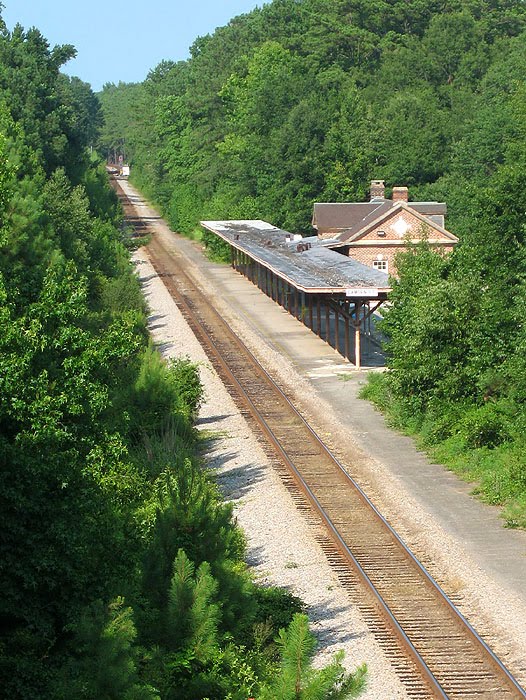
(380,264)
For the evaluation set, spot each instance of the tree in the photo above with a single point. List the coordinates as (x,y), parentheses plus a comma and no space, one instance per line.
(103,662)
(192,615)
(298,680)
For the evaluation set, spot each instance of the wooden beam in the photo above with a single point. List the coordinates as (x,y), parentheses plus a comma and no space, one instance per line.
(336,330)
(371,311)
(357,324)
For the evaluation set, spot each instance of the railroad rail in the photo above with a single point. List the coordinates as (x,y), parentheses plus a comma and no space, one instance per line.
(434,649)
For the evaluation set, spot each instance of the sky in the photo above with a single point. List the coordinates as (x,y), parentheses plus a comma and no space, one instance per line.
(122,41)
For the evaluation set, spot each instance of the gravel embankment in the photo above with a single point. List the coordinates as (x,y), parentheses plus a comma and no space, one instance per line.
(282,549)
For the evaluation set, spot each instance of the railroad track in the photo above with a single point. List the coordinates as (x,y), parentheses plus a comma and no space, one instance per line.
(433,648)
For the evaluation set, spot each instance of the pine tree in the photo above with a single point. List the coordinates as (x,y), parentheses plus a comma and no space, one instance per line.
(103,664)
(298,680)
(192,616)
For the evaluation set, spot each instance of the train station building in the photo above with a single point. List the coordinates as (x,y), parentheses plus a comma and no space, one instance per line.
(374,232)
(335,281)
(333,295)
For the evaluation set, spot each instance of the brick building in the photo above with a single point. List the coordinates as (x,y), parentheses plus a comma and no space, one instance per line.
(374,232)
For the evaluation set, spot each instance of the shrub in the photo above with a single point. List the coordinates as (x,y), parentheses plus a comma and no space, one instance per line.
(184,210)
(217,249)
(440,422)
(276,605)
(185,378)
(122,293)
(163,391)
(484,426)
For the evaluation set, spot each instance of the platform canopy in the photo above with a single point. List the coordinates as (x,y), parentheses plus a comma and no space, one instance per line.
(305,263)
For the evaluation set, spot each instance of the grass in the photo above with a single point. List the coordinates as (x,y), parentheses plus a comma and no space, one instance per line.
(207,435)
(479,444)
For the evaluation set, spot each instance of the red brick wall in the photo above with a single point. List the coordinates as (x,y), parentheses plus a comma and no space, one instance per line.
(370,246)
(367,254)
(414,228)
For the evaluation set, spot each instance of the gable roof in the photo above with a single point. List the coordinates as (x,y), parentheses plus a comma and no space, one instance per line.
(328,216)
(348,222)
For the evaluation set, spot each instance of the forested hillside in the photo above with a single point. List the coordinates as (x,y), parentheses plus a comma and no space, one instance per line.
(308,100)
(122,571)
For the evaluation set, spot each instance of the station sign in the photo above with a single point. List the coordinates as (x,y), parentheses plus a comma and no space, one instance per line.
(361,292)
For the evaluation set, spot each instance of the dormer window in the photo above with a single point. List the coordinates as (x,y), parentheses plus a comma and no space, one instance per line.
(381,234)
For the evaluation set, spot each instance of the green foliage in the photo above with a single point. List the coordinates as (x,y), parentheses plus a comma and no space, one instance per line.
(185,376)
(163,392)
(277,606)
(192,617)
(103,661)
(301,102)
(298,680)
(218,250)
(483,426)
(122,570)
(121,294)
(189,507)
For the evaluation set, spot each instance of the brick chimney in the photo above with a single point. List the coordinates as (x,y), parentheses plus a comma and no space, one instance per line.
(400,194)
(377,189)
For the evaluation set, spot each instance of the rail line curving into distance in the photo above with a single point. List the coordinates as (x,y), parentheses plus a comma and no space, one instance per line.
(435,651)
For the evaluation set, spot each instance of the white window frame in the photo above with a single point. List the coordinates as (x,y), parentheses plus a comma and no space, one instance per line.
(382,265)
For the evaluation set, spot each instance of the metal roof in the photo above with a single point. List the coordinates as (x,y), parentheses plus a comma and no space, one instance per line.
(314,269)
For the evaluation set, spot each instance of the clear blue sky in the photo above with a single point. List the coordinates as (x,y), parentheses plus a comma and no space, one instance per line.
(118,40)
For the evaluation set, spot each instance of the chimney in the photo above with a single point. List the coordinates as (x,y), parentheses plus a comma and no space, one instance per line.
(400,194)
(377,189)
